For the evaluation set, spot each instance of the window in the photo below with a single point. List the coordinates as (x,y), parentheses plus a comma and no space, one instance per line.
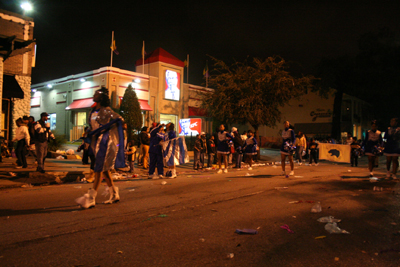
(81,118)
(166,118)
(53,121)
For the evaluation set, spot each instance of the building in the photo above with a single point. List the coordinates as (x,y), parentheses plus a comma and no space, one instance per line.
(312,115)
(17,51)
(158,83)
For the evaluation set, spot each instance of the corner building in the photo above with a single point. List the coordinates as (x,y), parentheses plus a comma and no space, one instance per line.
(158,83)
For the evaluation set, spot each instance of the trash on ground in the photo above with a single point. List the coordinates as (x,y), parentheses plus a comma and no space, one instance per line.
(131,190)
(230,255)
(320,237)
(163,182)
(246,231)
(349,170)
(26,185)
(373,179)
(119,252)
(286,227)
(298,176)
(249,174)
(295,202)
(328,219)
(332,228)
(78,186)
(281,187)
(12,173)
(316,208)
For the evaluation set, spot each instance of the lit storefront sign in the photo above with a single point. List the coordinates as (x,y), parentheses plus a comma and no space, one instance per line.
(189,127)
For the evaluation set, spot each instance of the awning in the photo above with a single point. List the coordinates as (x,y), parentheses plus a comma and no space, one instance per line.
(197,112)
(11,87)
(143,104)
(81,103)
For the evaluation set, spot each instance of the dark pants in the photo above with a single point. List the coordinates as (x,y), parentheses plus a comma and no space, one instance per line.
(239,160)
(313,155)
(198,160)
(156,160)
(354,158)
(85,156)
(210,160)
(20,152)
(41,153)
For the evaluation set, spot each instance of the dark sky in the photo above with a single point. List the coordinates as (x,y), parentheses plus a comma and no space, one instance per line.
(75,36)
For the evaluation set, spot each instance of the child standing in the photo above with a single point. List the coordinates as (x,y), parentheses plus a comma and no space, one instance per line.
(313,151)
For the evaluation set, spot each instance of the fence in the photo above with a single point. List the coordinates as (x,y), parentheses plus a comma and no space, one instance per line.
(76,132)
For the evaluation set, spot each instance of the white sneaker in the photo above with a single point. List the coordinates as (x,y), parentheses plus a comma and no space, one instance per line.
(250,169)
(219,171)
(291,173)
(226,171)
(88,200)
(300,163)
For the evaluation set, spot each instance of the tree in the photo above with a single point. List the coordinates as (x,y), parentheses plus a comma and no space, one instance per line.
(131,112)
(252,92)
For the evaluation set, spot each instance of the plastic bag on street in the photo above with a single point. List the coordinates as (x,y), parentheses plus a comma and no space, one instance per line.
(316,208)
(332,228)
(328,219)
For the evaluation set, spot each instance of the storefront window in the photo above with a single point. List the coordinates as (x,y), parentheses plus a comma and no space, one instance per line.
(81,118)
(165,118)
(53,121)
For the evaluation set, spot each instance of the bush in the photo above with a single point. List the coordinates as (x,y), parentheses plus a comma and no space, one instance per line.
(58,142)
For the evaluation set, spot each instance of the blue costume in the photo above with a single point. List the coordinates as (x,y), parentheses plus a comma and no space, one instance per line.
(374,138)
(289,138)
(155,151)
(250,146)
(392,145)
(223,142)
(107,139)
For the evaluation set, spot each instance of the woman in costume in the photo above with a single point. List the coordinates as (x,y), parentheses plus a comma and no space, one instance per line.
(106,139)
(372,146)
(250,148)
(223,148)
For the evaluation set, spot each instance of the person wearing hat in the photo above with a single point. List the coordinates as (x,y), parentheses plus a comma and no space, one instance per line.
(42,136)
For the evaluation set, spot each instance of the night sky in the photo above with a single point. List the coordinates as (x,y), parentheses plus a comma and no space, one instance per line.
(75,36)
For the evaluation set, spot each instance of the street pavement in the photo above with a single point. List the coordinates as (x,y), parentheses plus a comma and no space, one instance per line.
(191,220)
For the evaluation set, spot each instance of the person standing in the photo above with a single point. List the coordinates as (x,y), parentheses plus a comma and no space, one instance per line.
(238,145)
(250,148)
(223,148)
(144,147)
(301,145)
(197,151)
(313,151)
(22,138)
(371,144)
(354,152)
(288,139)
(155,151)
(106,138)
(43,135)
(130,151)
(171,165)
(392,148)
(211,150)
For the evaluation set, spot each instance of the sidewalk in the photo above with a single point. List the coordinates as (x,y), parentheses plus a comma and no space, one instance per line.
(60,171)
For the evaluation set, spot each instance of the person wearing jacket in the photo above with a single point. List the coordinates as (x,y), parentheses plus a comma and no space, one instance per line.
(155,151)
(238,145)
(211,150)
(301,145)
(42,137)
(250,148)
(22,138)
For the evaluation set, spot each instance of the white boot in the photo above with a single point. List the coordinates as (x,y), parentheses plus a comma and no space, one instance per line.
(173,174)
(88,200)
(114,195)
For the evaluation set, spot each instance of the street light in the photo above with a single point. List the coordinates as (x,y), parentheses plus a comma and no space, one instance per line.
(26,6)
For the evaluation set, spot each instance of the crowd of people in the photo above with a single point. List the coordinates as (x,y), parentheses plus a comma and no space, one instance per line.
(106,145)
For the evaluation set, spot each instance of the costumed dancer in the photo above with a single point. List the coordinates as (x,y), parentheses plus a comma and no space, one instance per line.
(392,148)
(223,148)
(372,146)
(106,139)
(155,151)
(287,147)
(171,165)
(250,148)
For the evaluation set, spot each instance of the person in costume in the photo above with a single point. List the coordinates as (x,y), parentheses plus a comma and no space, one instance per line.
(392,148)
(372,146)
(156,156)
(250,148)
(223,148)
(287,147)
(106,139)
(171,134)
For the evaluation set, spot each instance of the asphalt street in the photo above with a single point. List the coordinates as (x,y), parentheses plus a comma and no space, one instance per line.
(191,221)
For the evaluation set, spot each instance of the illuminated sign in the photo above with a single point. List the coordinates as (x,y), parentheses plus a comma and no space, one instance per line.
(189,127)
(172,85)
